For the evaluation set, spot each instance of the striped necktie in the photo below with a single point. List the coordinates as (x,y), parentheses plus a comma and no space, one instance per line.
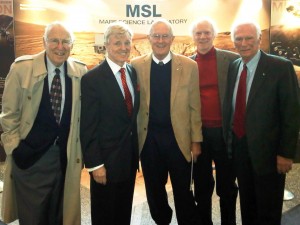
(128,97)
(56,95)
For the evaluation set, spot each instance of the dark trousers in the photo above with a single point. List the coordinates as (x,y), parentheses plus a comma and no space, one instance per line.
(261,196)
(111,204)
(161,156)
(213,149)
(39,190)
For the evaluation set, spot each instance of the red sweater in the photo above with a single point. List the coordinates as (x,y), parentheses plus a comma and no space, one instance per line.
(209,91)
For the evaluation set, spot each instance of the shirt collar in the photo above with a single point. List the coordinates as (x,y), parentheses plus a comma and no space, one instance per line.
(165,60)
(113,66)
(252,64)
(51,68)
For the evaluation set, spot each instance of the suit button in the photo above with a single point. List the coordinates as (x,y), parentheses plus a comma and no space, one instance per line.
(78,160)
(145,128)
(29,97)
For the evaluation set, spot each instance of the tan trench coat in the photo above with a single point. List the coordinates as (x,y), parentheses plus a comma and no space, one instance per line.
(21,100)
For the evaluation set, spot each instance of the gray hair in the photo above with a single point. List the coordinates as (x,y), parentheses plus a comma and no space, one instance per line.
(117,27)
(164,21)
(207,20)
(58,24)
(240,23)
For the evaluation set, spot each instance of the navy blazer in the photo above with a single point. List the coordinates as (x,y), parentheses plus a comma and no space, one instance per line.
(108,136)
(272,112)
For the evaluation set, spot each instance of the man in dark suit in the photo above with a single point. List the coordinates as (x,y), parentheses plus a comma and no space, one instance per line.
(213,66)
(261,124)
(110,102)
(169,125)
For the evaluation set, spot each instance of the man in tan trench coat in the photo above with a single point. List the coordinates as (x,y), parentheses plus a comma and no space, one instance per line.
(43,165)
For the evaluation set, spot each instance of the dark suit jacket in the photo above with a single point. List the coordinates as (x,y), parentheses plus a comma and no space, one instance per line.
(272,113)
(108,135)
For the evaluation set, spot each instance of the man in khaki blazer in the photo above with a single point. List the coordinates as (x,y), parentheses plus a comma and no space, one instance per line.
(169,125)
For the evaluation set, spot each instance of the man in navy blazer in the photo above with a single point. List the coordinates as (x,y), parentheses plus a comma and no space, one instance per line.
(264,144)
(108,130)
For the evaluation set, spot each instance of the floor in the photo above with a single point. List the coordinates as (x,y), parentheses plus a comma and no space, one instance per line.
(292,184)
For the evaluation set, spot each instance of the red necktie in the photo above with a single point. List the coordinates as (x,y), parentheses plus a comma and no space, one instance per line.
(240,106)
(128,98)
(56,95)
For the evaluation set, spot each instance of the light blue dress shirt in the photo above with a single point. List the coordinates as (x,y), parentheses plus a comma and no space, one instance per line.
(251,68)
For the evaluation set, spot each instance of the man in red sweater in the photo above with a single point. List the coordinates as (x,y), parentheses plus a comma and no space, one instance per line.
(213,65)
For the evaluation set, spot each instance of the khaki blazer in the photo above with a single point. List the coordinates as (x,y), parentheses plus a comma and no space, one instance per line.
(184,102)
(21,99)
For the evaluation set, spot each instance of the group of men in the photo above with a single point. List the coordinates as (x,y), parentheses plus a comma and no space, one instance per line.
(174,113)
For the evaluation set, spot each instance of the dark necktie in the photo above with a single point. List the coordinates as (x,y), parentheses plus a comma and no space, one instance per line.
(128,98)
(161,63)
(240,105)
(56,95)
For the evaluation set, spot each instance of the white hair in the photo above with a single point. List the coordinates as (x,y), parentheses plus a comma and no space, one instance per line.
(202,20)
(245,22)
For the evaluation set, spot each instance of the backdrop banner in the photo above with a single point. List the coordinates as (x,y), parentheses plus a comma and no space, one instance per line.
(285,29)
(89,18)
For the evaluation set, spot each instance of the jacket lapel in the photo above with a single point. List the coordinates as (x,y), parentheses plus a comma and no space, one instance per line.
(145,75)
(221,69)
(232,78)
(176,70)
(259,77)
(134,85)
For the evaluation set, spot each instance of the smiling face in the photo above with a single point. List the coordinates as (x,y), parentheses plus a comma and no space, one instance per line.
(118,48)
(160,39)
(246,41)
(58,45)
(203,36)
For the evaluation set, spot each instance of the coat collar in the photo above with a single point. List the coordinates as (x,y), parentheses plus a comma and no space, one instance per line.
(39,67)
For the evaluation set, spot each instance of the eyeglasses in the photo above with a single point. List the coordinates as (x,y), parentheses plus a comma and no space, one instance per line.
(204,33)
(240,39)
(55,42)
(161,36)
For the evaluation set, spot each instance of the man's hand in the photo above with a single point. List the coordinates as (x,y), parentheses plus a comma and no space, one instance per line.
(196,150)
(99,175)
(284,165)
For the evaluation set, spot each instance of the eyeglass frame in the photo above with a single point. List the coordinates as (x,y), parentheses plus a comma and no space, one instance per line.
(241,39)
(161,36)
(55,42)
